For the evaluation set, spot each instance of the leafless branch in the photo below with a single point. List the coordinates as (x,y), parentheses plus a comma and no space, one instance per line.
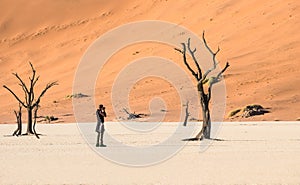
(179,50)
(34,82)
(216,80)
(15,96)
(22,82)
(214,54)
(192,52)
(48,86)
(32,68)
(206,45)
(25,93)
(223,70)
(186,63)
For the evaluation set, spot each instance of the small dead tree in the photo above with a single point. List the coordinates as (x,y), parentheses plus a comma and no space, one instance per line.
(133,115)
(31,102)
(202,79)
(18,114)
(187,114)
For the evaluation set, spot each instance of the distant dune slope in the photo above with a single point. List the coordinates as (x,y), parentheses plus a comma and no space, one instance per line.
(260,39)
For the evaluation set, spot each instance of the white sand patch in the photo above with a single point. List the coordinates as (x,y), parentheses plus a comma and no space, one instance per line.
(251,153)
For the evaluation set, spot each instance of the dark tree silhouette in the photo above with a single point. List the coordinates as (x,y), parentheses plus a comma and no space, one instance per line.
(31,102)
(202,78)
(18,114)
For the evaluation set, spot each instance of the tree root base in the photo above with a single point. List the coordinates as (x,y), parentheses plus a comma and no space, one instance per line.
(31,134)
(193,139)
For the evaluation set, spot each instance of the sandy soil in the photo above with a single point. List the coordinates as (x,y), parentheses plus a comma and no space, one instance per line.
(250,153)
(259,38)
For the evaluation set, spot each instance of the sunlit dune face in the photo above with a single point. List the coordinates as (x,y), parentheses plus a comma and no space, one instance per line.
(143,90)
(142,97)
(259,39)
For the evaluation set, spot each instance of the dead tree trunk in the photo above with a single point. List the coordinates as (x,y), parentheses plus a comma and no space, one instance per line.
(187,114)
(29,122)
(30,101)
(18,114)
(34,122)
(202,79)
(206,120)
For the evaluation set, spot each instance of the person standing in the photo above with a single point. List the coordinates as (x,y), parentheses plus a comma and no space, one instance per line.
(100,125)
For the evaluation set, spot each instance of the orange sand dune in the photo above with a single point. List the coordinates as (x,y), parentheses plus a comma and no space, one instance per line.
(260,39)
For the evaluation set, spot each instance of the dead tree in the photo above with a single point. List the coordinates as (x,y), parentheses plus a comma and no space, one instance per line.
(187,114)
(18,114)
(30,98)
(133,115)
(202,79)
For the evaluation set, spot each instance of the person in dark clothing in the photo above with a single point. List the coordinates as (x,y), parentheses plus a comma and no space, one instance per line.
(100,113)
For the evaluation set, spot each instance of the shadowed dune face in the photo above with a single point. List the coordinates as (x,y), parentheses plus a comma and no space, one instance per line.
(260,39)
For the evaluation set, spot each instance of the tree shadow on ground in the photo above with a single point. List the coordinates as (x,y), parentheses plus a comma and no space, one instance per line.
(10,135)
(200,139)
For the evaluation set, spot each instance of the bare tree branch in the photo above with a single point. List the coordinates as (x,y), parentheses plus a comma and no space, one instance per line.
(32,80)
(22,82)
(179,50)
(223,70)
(31,95)
(186,63)
(25,93)
(214,54)
(37,78)
(15,96)
(192,52)
(48,86)
(216,80)
(208,48)
(32,68)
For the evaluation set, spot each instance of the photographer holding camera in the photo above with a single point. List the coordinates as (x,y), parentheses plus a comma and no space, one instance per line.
(100,125)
